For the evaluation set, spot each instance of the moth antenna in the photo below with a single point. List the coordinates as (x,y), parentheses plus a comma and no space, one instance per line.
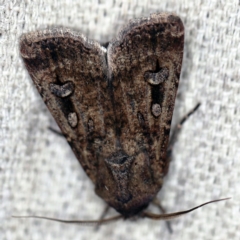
(91,222)
(169,216)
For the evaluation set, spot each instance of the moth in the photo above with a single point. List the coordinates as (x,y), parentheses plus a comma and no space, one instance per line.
(114,104)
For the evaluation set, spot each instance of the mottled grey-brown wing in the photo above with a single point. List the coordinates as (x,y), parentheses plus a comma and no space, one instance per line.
(145,64)
(70,73)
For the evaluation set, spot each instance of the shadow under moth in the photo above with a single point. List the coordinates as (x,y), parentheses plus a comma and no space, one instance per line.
(114,105)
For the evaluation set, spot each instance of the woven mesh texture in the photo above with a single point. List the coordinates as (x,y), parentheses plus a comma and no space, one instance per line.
(40,175)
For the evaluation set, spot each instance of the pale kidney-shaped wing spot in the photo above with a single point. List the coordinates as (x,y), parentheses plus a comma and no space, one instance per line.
(158,77)
(72,119)
(156,109)
(62,90)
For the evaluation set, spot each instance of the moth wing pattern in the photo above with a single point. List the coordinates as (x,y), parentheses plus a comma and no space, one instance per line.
(70,74)
(113,105)
(145,65)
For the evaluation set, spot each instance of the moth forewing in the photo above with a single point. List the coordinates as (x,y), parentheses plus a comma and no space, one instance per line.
(144,70)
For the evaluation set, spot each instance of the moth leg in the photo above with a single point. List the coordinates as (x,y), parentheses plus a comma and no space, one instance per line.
(176,132)
(157,203)
(172,141)
(56,131)
(103,215)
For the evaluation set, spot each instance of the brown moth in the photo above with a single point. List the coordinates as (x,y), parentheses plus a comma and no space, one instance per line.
(114,105)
